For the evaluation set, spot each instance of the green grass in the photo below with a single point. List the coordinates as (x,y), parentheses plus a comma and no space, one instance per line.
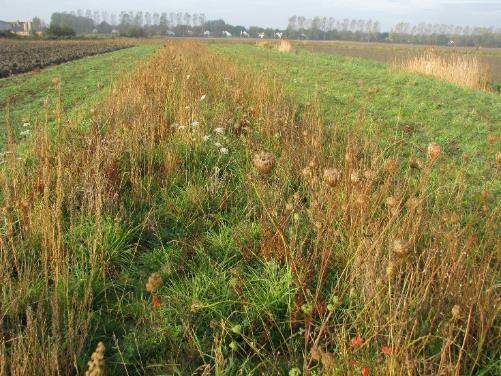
(79,79)
(456,118)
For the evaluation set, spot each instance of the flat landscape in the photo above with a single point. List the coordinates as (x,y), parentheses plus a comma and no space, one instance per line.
(206,207)
(389,52)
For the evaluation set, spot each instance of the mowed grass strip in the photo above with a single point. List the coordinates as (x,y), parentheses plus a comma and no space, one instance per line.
(397,107)
(83,83)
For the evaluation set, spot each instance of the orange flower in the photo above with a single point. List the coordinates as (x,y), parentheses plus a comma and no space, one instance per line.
(357,341)
(156,301)
(365,371)
(386,350)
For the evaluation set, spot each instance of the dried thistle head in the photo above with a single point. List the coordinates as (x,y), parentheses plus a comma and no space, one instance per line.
(95,366)
(56,81)
(399,247)
(154,282)
(456,312)
(332,176)
(492,139)
(434,151)
(416,163)
(264,162)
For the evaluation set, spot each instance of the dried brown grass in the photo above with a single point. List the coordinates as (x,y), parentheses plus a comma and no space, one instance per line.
(466,70)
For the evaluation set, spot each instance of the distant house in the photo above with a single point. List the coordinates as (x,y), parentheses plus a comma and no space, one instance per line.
(18,27)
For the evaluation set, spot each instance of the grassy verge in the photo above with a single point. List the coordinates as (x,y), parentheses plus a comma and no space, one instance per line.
(84,83)
(204,223)
(398,108)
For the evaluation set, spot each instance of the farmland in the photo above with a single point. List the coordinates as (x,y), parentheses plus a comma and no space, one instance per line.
(25,57)
(225,208)
(388,53)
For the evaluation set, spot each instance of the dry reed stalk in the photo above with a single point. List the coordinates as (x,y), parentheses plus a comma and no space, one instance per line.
(461,69)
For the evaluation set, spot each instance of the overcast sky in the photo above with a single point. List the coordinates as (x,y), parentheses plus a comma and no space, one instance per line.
(275,13)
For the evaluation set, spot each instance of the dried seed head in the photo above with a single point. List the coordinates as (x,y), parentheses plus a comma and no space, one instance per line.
(456,312)
(369,174)
(498,158)
(361,200)
(400,248)
(390,269)
(312,164)
(297,197)
(332,176)
(56,81)
(492,139)
(412,203)
(307,173)
(433,151)
(328,361)
(289,207)
(95,366)
(391,202)
(416,164)
(354,177)
(264,162)
(466,157)
(154,283)
(315,353)
(391,165)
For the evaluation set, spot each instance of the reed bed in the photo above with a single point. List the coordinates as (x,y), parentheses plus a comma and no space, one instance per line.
(466,70)
(204,224)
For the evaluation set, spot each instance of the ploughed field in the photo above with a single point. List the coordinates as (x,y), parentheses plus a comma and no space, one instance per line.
(25,57)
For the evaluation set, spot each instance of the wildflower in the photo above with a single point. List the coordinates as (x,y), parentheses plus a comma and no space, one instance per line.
(25,132)
(219,130)
(386,350)
(400,248)
(332,176)
(95,366)
(466,157)
(264,162)
(289,207)
(294,372)
(456,312)
(156,301)
(206,138)
(188,76)
(356,341)
(202,98)
(195,124)
(218,144)
(26,125)
(196,306)
(307,309)
(365,371)
(224,151)
(174,125)
(433,151)
(154,282)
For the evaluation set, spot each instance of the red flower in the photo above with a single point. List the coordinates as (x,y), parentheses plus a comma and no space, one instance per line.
(386,350)
(155,301)
(365,371)
(357,341)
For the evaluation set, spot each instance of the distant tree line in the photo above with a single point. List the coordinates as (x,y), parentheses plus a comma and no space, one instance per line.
(328,28)
(143,24)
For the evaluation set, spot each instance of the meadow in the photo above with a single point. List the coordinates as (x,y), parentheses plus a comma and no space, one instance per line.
(212,208)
